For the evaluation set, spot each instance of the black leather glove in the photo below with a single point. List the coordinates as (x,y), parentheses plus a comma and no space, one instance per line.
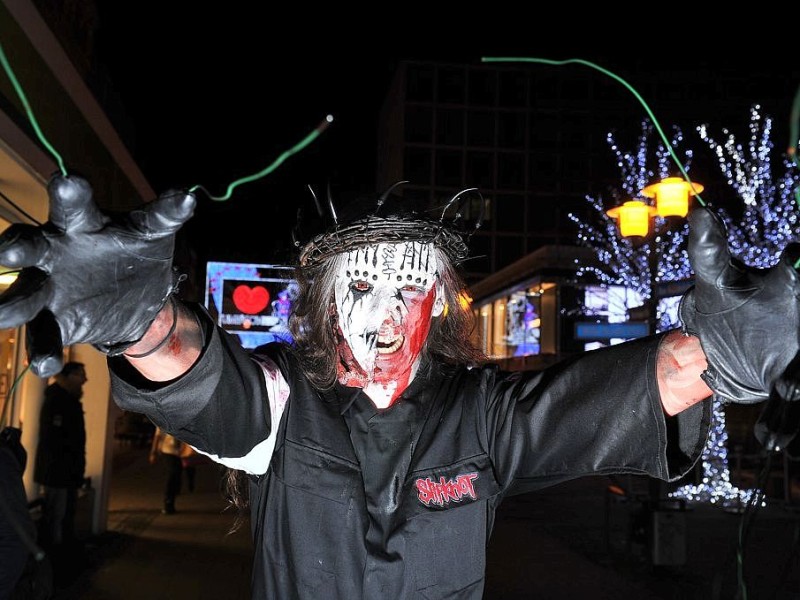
(87,277)
(747,319)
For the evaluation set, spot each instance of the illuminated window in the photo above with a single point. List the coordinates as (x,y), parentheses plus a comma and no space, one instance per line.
(498,348)
(523,324)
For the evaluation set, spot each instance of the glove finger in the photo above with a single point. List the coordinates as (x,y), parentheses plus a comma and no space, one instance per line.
(23,299)
(43,343)
(165,215)
(71,205)
(22,245)
(708,251)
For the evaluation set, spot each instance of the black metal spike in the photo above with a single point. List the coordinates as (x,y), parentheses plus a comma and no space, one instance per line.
(331,207)
(460,204)
(316,200)
(382,198)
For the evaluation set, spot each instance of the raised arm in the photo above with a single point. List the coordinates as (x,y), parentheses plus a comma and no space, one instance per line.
(170,346)
(87,277)
(741,326)
(680,364)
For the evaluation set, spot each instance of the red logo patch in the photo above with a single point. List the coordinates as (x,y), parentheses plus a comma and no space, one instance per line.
(445,491)
(249,300)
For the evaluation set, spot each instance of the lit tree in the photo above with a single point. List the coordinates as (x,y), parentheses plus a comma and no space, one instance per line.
(769,219)
(768,223)
(626,263)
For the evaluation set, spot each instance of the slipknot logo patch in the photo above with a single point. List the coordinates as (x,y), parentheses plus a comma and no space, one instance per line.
(443,492)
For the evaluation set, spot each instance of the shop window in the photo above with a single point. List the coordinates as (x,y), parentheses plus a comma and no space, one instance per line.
(484,328)
(549,313)
(523,324)
(609,303)
(498,348)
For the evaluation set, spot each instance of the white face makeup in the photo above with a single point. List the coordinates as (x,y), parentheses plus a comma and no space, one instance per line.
(385,297)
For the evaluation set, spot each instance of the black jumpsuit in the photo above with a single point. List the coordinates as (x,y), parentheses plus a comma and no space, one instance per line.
(360,502)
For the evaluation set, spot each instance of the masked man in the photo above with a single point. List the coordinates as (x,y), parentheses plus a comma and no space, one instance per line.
(378,447)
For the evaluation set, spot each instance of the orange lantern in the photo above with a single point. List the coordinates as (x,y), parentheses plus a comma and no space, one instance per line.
(672,195)
(633,217)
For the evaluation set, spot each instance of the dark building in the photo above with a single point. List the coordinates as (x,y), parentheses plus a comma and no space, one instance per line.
(532,137)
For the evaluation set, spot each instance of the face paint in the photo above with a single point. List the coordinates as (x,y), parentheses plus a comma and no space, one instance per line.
(385,297)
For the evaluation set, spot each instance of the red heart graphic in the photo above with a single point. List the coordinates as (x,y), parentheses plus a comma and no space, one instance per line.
(249,300)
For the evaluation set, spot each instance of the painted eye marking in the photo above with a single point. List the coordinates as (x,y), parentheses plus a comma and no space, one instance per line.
(412,289)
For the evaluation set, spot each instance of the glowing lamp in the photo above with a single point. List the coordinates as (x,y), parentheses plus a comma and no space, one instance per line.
(633,217)
(672,195)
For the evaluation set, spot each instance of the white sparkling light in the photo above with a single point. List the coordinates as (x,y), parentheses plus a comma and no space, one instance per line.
(770,220)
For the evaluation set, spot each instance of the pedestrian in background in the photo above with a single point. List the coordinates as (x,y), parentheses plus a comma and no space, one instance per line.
(168,449)
(17,529)
(61,454)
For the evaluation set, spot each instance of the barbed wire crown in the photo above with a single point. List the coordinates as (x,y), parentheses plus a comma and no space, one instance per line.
(390,218)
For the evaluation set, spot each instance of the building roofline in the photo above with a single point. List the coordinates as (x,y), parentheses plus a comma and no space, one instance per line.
(44,41)
(549,258)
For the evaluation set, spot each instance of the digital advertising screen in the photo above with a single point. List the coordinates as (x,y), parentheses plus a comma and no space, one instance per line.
(253,301)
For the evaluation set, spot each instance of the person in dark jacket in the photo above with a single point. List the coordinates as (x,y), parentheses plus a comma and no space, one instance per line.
(17,530)
(379,447)
(61,453)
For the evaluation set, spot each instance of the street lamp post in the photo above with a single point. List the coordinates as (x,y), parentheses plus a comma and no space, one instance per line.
(634,218)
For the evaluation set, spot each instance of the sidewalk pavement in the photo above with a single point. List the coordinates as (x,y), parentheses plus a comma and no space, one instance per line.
(147,554)
(572,541)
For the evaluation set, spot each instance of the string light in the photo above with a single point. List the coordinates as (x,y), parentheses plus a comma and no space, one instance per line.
(715,486)
(770,218)
(768,223)
(625,263)
(629,266)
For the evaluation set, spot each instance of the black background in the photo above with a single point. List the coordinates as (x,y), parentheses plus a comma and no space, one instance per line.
(206,95)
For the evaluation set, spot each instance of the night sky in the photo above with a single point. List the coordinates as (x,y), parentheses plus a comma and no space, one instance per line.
(211,95)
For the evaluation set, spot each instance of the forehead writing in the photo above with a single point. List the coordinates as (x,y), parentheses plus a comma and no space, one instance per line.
(410,262)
